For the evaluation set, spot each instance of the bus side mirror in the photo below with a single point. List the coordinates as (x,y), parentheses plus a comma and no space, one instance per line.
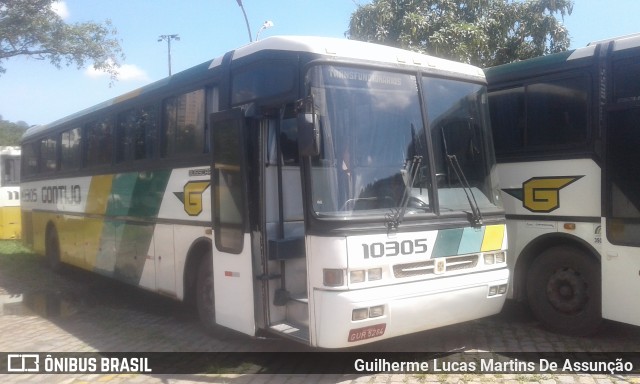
(308,134)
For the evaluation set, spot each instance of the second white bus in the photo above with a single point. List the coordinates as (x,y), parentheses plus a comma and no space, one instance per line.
(10,227)
(567,137)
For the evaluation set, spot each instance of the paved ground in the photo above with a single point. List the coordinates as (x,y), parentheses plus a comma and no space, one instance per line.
(79,312)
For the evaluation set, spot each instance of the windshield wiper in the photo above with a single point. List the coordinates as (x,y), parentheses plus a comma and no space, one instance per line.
(395,218)
(475,216)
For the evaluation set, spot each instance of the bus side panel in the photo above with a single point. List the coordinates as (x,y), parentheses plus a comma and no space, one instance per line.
(539,196)
(10,224)
(551,188)
(104,223)
(183,217)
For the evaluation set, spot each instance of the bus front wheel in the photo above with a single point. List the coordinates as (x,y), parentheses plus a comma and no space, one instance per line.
(564,290)
(204,293)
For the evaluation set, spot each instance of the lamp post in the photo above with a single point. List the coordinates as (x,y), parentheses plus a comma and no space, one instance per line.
(265,25)
(246,20)
(168,38)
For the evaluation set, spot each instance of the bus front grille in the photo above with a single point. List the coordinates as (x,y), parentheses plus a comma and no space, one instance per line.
(453,263)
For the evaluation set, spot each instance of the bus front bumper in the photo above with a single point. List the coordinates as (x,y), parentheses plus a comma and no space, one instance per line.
(406,308)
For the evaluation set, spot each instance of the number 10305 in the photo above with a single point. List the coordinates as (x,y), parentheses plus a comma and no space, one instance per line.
(394,248)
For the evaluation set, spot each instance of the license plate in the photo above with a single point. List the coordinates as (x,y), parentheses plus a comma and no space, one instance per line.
(367,332)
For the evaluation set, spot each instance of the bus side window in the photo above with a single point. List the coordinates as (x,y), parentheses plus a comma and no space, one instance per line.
(48,155)
(136,134)
(507,119)
(30,159)
(11,171)
(184,125)
(70,154)
(626,83)
(557,112)
(99,143)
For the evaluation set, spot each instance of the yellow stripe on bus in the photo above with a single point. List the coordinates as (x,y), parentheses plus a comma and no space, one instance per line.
(493,237)
(97,201)
(98,196)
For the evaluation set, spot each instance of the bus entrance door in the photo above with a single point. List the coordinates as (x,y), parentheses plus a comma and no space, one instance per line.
(620,279)
(285,272)
(232,263)
(620,232)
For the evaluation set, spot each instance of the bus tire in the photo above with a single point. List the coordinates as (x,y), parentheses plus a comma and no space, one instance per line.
(52,250)
(564,291)
(205,301)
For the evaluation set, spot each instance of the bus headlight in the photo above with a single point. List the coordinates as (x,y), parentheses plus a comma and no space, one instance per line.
(357,276)
(359,314)
(376,311)
(495,290)
(374,274)
(489,259)
(360,275)
(367,313)
(495,258)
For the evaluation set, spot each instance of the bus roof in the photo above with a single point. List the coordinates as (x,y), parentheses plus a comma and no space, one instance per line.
(549,63)
(353,49)
(330,47)
(536,66)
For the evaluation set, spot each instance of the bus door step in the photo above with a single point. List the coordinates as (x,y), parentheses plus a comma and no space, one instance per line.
(292,331)
(298,310)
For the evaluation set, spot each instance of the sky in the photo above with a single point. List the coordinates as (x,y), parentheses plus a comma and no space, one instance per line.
(36,92)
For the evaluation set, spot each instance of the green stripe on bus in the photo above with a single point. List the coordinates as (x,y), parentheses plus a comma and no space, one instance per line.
(133,195)
(138,194)
(447,242)
(471,240)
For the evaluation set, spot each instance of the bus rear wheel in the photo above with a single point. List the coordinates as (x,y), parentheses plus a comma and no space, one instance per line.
(204,293)
(564,291)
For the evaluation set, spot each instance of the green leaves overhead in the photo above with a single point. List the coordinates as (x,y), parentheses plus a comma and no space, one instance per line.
(480,32)
(33,28)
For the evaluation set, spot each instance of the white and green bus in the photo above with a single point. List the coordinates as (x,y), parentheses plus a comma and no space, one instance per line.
(567,137)
(10,227)
(327,190)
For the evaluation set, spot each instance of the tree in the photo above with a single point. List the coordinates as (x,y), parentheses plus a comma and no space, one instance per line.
(480,32)
(32,28)
(10,133)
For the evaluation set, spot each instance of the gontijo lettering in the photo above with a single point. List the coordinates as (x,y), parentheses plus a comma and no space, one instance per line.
(61,194)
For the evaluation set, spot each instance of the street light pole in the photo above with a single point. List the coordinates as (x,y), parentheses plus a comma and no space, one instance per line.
(246,20)
(168,38)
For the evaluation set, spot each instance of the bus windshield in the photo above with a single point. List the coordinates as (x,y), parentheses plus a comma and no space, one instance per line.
(374,157)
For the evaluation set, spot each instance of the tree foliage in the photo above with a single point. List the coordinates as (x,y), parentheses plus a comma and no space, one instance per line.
(10,133)
(32,28)
(480,32)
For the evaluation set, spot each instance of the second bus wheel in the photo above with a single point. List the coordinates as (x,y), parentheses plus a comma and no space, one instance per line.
(564,290)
